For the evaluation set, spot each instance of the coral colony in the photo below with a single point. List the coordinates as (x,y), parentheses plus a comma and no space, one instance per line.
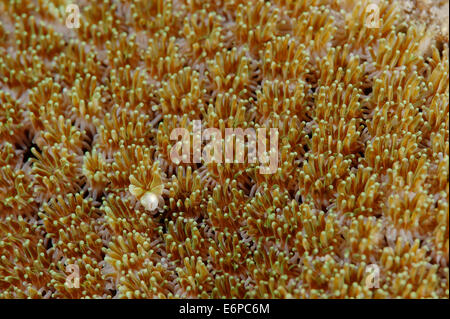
(224,149)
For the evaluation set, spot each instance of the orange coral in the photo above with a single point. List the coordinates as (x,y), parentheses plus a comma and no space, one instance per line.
(86,176)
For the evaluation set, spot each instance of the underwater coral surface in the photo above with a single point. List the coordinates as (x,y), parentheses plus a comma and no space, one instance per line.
(93,206)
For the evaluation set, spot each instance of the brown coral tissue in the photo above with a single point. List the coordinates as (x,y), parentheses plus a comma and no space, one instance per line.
(92,204)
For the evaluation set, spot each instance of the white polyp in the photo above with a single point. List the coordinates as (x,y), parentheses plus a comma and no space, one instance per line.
(149,201)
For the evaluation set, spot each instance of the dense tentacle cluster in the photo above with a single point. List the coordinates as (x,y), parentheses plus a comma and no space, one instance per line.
(87,178)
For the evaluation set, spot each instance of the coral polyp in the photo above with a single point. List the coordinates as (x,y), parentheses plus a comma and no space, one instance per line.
(357,205)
